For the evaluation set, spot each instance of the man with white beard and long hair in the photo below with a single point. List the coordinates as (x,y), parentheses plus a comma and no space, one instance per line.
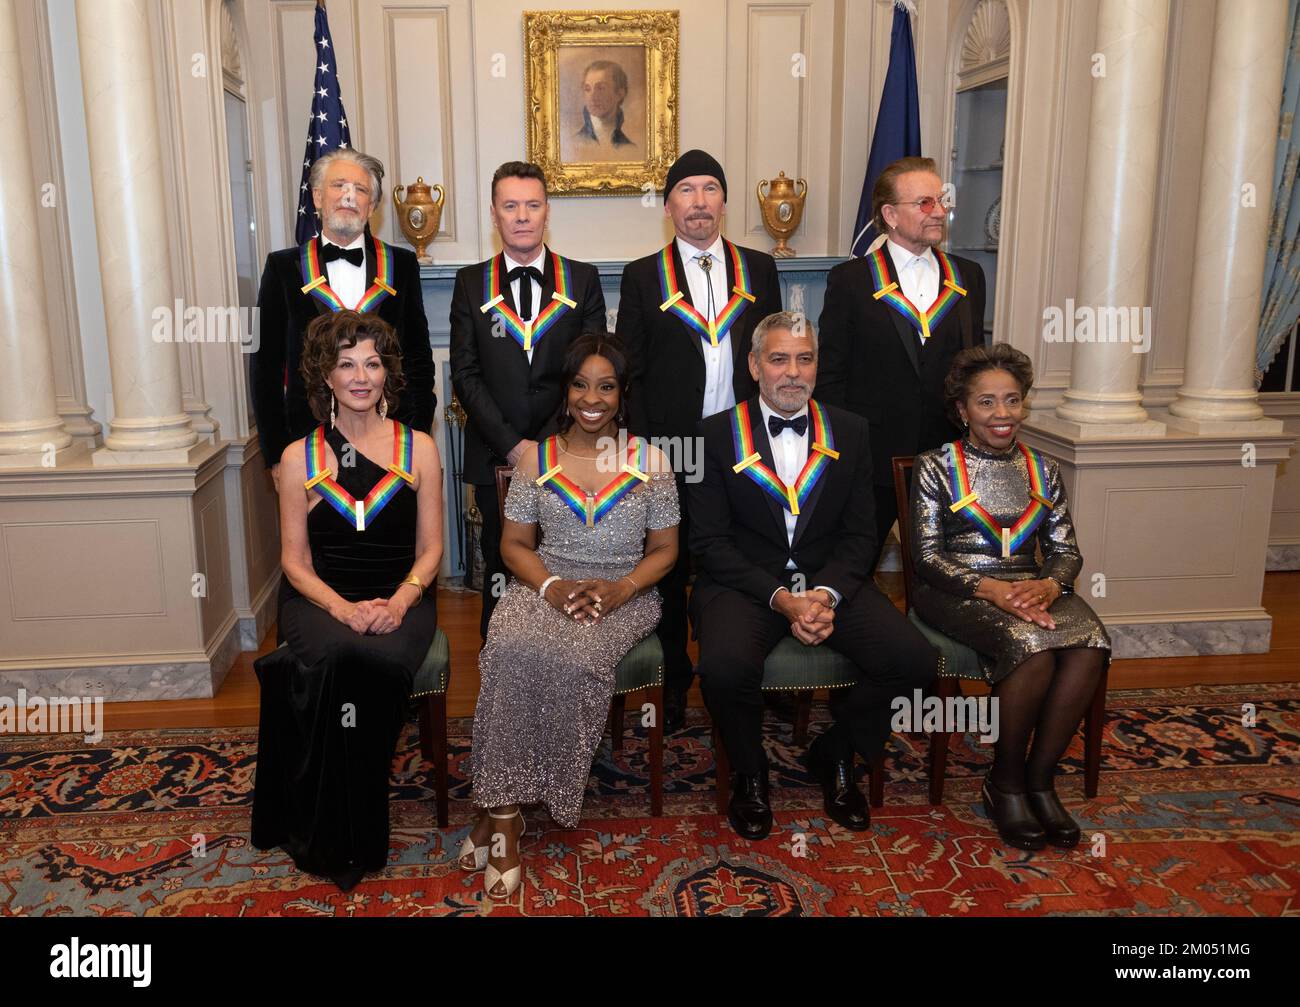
(344,267)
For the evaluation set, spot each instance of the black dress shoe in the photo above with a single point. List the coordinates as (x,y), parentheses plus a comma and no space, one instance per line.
(748,811)
(843,800)
(674,709)
(1061,829)
(1016,824)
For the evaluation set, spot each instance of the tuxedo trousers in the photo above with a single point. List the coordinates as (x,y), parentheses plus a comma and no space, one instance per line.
(736,633)
(494,569)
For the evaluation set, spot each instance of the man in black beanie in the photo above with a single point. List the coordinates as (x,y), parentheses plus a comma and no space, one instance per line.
(685,315)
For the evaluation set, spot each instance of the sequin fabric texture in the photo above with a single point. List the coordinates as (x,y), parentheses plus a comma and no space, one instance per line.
(950,556)
(546,681)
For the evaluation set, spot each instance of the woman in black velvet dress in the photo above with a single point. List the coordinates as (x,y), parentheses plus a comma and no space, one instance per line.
(361,542)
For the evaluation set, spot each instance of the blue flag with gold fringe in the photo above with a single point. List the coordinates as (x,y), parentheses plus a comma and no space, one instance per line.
(898,124)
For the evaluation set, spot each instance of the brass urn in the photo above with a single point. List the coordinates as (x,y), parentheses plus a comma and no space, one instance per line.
(419,214)
(782,209)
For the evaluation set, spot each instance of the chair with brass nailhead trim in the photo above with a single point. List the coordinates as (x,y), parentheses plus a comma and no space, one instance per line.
(796,667)
(429,691)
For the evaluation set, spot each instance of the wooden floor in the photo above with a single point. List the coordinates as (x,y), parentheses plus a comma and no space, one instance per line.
(458,614)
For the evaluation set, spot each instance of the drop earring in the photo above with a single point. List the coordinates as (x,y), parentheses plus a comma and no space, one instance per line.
(334,410)
(383,407)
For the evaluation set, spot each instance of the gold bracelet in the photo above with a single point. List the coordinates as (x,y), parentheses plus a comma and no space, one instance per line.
(636,588)
(415,582)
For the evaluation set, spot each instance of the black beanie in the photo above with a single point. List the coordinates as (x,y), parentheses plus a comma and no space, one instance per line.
(695,162)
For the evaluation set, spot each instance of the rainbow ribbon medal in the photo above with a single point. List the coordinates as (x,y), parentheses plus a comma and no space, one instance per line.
(950,291)
(750,462)
(966,500)
(676,302)
(526,334)
(316,283)
(590,508)
(359,512)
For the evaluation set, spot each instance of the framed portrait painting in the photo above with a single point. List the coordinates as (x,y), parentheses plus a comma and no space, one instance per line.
(602,99)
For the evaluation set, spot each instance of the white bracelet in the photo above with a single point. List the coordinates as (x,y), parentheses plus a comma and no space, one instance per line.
(541,591)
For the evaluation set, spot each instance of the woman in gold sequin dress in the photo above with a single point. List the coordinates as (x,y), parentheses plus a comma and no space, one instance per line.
(591,527)
(980,581)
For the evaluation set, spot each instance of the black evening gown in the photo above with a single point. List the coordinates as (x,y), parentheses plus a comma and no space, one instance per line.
(334,703)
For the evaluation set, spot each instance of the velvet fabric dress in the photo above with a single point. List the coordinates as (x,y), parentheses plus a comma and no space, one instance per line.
(333,700)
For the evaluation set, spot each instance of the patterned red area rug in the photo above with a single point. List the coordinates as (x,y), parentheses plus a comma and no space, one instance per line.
(1197,814)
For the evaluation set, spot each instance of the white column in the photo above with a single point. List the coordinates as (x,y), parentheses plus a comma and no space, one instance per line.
(1241,123)
(131,222)
(30,426)
(1119,203)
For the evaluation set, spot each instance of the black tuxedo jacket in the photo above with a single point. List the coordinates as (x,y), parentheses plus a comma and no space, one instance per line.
(282,413)
(871,360)
(507,399)
(666,356)
(737,533)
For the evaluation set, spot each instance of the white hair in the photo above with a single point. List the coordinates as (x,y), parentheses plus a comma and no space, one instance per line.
(371,164)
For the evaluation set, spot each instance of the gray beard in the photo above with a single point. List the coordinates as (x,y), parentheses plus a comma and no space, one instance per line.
(334,224)
(790,401)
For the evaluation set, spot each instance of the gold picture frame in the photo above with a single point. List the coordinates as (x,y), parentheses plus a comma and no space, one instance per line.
(602,99)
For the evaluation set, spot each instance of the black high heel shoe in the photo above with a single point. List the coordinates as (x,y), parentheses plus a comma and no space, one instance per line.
(1015,823)
(1061,829)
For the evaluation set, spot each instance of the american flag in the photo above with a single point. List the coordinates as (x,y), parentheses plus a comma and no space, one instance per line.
(327,129)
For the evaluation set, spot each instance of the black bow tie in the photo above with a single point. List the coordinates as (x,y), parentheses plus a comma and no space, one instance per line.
(799,425)
(356,256)
(525,289)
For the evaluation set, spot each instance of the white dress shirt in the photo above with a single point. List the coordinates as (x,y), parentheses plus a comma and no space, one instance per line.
(790,454)
(539,263)
(719,394)
(918,275)
(603,128)
(345,279)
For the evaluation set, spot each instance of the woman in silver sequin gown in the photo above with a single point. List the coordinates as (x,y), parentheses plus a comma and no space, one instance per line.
(547,669)
(1041,646)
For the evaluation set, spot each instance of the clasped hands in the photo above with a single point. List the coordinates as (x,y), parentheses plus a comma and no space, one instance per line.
(587,601)
(1028,599)
(812,619)
(374,617)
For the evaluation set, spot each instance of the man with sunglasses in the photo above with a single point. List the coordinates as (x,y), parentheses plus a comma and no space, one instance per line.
(892,322)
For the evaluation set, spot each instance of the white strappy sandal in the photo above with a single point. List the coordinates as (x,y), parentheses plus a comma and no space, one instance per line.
(509,879)
(479,853)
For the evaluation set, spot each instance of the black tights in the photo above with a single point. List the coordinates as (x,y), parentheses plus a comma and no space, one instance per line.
(1045,696)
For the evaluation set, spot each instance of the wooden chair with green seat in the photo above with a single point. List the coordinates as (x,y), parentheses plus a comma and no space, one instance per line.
(429,693)
(796,667)
(960,662)
(641,670)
